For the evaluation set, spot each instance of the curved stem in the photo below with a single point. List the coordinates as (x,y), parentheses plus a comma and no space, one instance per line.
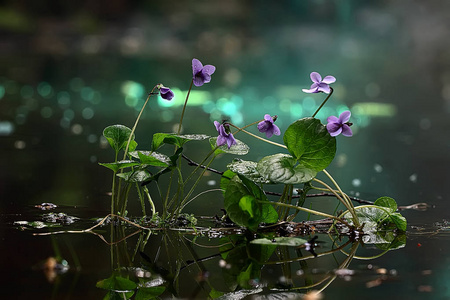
(184,107)
(255,136)
(324,101)
(314,212)
(137,121)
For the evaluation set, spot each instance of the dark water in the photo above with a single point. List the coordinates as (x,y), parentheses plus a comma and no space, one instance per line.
(67,72)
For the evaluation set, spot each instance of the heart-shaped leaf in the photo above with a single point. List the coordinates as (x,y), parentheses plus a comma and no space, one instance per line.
(116,166)
(283,168)
(248,169)
(310,143)
(117,136)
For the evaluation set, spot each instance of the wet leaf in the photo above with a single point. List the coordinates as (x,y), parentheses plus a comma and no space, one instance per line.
(310,143)
(387,202)
(135,176)
(151,158)
(160,139)
(239,149)
(116,166)
(241,204)
(117,136)
(283,168)
(248,169)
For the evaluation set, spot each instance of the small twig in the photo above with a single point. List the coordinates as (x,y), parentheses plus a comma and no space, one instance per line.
(193,163)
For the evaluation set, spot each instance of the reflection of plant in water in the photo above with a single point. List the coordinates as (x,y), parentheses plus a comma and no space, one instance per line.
(242,261)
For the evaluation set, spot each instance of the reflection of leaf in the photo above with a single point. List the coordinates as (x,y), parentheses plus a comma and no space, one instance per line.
(283,168)
(310,143)
(280,241)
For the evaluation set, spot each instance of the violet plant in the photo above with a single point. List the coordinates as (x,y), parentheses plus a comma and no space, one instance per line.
(308,149)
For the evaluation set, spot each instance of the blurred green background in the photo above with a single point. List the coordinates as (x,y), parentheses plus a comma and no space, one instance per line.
(68,69)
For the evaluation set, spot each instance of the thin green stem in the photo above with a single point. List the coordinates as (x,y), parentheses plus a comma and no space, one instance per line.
(137,121)
(150,200)
(184,107)
(255,136)
(324,101)
(314,212)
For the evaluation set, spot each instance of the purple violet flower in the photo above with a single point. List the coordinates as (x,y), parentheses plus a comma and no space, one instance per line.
(166,93)
(201,74)
(268,127)
(319,84)
(340,125)
(224,137)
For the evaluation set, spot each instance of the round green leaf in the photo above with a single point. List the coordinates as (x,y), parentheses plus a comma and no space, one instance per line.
(387,202)
(283,168)
(248,169)
(117,136)
(310,143)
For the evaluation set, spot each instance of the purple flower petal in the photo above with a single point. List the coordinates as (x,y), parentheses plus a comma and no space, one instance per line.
(315,77)
(166,93)
(198,80)
(276,130)
(346,130)
(231,141)
(323,87)
(221,141)
(217,124)
(344,116)
(334,129)
(263,126)
(314,90)
(209,69)
(205,77)
(268,118)
(197,66)
(329,79)
(331,119)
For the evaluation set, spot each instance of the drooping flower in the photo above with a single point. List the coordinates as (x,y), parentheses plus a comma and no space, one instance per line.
(224,136)
(201,74)
(340,125)
(166,93)
(268,127)
(319,84)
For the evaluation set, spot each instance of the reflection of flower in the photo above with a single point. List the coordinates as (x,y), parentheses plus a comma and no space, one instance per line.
(224,137)
(166,93)
(201,74)
(339,125)
(268,127)
(319,84)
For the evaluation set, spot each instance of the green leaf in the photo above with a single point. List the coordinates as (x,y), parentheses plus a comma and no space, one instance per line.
(376,218)
(248,169)
(387,202)
(116,284)
(116,166)
(248,204)
(280,241)
(145,293)
(248,212)
(117,136)
(152,158)
(225,180)
(135,176)
(310,143)
(283,168)
(239,149)
(160,139)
